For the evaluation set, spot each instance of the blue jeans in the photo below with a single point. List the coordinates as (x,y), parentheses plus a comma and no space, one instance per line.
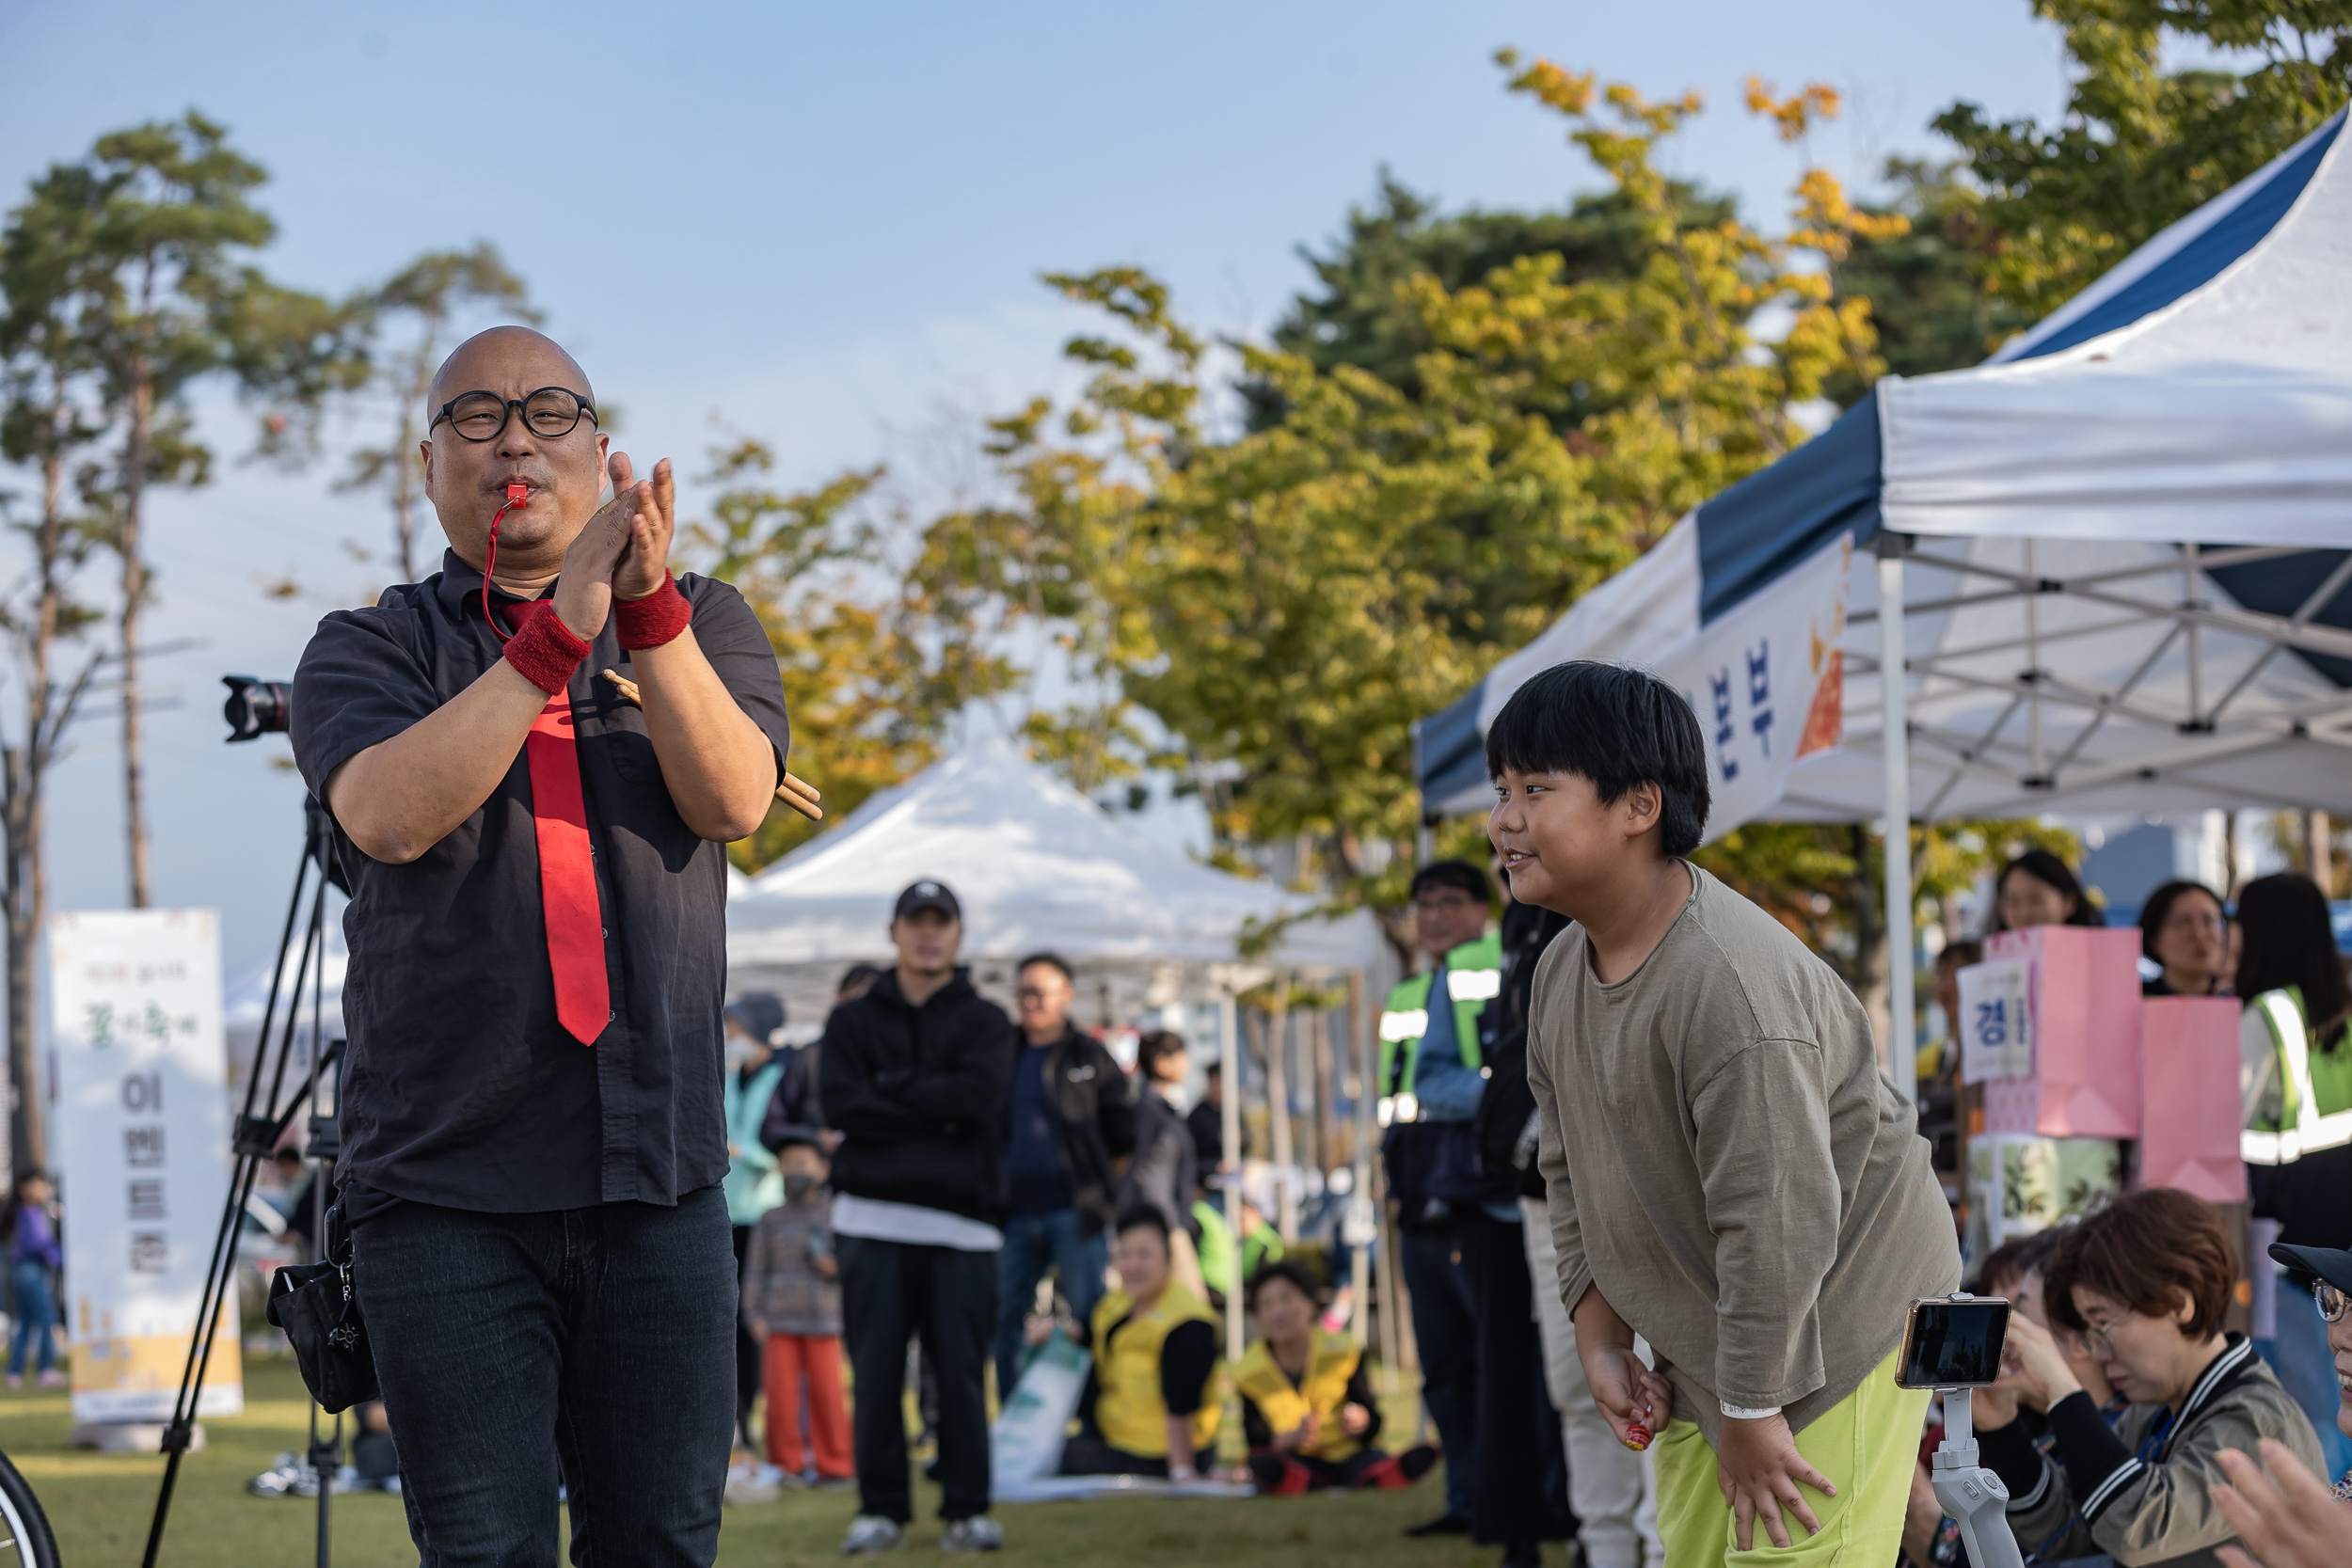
(593,1348)
(2307,1369)
(36,1312)
(1033,1242)
(1445,1326)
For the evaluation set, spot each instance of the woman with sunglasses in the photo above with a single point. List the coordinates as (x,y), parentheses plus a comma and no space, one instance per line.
(2144,1284)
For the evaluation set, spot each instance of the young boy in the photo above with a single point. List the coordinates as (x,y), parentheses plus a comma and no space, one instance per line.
(1730,1175)
(792,1306)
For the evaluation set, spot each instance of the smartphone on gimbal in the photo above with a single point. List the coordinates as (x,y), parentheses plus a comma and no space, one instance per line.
(1953,1342)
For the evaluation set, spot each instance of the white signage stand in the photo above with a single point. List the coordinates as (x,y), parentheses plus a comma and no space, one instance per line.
(141,1136)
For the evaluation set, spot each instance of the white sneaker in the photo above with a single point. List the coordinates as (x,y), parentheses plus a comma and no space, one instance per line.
(979,1533)
(871,1532)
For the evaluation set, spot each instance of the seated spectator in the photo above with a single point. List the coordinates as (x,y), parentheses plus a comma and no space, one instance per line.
(1306,1405)
(2144,1282)
(1148,1408)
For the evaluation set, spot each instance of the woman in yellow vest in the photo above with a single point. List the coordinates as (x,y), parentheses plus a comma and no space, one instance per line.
(2296,1072)
(1151,1402)
(1306,1405)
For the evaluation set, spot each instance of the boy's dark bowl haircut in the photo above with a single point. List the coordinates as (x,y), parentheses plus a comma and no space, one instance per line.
(1615,726)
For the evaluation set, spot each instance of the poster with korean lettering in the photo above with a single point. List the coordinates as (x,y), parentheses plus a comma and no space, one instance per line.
(141,1134)
(1767,682)
(1995,1023)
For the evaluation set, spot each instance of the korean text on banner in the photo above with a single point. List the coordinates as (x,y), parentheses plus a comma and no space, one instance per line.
(135,1018)
(1768,683)
(1995,1023)
(2189,1104)
(2083,1000)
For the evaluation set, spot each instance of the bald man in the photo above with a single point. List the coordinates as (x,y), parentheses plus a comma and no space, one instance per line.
(533,1141)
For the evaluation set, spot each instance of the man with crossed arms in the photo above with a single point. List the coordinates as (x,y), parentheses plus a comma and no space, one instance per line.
(533,1138)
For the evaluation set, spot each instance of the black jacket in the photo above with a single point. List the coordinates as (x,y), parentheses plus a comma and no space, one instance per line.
(1165,1169)
(919,1094)
(1093,1118)
(1506,1113)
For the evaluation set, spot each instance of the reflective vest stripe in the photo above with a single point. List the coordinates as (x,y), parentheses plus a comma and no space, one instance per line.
(1406,1025)
(2302,1129)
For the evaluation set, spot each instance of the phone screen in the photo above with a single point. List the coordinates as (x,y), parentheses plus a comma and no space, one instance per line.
(1954,1344)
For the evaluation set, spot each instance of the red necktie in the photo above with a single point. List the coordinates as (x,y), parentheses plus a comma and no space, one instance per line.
(567,869)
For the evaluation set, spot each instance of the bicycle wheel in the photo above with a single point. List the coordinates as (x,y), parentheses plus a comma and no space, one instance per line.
(29,1543)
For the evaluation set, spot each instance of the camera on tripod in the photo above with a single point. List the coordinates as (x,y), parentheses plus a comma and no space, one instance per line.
(257,707)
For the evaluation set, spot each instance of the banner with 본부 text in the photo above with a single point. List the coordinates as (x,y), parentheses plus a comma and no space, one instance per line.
(141,1134)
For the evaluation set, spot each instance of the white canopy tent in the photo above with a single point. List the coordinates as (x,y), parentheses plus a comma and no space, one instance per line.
(2113,563)
(1037,867)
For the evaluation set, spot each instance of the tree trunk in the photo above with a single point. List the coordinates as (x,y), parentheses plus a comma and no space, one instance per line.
(134,594)
(1327,1091)
(25,890)
(1277,1097)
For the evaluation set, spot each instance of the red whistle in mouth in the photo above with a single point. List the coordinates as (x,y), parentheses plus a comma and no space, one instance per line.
(518,495)
(1636,1436)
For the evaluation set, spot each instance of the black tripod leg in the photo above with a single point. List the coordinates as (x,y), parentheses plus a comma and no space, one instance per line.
(220,1275)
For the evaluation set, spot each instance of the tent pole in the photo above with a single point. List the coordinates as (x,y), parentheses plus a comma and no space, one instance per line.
(1895,743)
(1364,1062)
(1229,1063)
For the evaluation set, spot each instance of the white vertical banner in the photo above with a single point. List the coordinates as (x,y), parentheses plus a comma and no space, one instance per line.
(142,1139)
(1767,682)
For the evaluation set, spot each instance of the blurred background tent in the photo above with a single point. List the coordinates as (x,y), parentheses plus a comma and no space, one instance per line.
(1037,867)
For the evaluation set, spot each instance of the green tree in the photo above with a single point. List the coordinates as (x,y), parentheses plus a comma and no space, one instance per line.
(166,297)
(1356,316)
(875,663)
(407,324)
(50,417)
(2139,146)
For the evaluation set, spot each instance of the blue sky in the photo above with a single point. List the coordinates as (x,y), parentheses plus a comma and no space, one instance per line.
(825,224)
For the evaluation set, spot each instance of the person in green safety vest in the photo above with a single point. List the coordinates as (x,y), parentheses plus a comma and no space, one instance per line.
(1261,1244)
(2296,1069)
(1428,1093)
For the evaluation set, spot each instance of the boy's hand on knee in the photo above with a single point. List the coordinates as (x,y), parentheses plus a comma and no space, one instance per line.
(1759,1469)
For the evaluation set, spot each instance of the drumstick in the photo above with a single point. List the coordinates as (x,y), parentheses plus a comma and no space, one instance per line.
(797,793)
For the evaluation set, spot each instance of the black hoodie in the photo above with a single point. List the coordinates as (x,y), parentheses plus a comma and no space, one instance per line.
(919,1094)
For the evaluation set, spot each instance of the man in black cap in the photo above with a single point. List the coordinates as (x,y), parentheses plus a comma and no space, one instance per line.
(915,1076)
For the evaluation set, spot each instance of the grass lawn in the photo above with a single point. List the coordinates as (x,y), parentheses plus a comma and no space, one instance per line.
(100,1503)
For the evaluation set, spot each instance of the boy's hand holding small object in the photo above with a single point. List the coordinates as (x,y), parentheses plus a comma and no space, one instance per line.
(1759,1468)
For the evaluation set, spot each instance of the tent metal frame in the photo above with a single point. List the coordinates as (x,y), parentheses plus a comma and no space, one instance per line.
(2043,780)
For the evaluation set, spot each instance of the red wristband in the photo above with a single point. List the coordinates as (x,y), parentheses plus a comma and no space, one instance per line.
(656,619)
(545,650)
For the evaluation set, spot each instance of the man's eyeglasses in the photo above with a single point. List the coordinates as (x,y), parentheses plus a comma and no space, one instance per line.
(1444,906)
(551,412)
(2332,1301)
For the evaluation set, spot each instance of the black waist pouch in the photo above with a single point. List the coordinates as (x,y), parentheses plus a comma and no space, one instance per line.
(313,1303)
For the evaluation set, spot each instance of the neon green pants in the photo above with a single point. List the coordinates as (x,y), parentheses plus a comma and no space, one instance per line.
(1867,1445)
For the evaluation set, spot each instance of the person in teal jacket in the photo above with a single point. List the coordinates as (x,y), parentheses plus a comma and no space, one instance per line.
(754,1070)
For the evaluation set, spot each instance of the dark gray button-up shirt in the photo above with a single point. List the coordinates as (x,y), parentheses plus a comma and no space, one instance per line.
(461,1088)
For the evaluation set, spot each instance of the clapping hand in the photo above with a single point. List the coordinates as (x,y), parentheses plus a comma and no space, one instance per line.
(623,553)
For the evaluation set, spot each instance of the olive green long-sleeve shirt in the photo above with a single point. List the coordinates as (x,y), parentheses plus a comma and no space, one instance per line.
(1728,1166)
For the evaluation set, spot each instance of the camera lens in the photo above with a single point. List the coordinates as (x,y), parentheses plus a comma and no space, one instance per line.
(256,708)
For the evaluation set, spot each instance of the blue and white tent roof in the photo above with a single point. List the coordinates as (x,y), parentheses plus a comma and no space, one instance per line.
(2126,537)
